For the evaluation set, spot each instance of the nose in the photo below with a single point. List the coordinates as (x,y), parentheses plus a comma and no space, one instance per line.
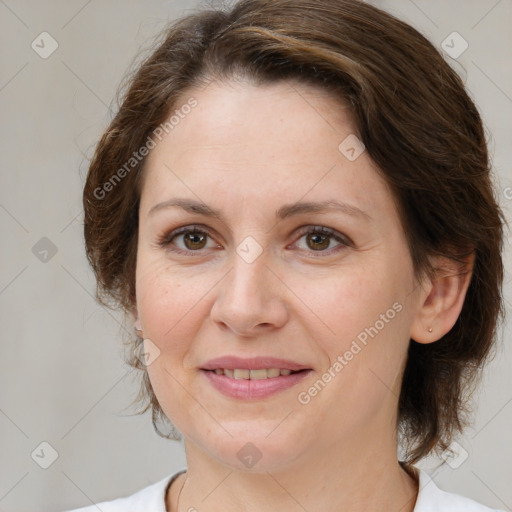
(251,299)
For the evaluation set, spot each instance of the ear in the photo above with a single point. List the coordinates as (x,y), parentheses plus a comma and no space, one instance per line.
(134,314)
(442,299)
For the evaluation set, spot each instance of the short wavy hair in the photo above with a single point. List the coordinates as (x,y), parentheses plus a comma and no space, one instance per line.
(418,124)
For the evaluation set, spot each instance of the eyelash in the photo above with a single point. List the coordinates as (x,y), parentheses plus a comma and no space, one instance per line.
(165,241)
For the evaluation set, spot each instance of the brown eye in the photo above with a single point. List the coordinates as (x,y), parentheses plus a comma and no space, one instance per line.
(319,239)
(186,240)
(194,240)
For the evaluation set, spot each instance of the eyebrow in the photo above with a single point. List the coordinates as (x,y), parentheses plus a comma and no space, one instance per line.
(284,212)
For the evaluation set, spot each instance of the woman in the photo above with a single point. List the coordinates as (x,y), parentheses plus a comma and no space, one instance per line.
(282,206)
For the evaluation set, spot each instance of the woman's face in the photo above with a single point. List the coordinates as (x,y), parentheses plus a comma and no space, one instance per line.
(256,282)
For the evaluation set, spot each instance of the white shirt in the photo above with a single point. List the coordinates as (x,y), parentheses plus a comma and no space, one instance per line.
(152,499)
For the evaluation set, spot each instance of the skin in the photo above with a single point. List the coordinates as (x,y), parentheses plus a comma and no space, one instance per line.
(247,150)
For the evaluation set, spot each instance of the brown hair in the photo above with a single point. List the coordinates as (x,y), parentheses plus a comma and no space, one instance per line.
(418,124)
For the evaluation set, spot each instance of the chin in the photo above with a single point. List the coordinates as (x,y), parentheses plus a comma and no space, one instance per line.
(254,448)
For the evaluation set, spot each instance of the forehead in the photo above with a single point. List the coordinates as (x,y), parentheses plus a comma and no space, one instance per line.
(261,142)
(284,113)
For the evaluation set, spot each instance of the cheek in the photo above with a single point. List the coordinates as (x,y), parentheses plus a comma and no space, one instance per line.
(346,302)
(169,302)
(363,326)
(169,305)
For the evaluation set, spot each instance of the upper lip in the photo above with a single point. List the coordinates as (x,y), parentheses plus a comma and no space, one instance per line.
(252,363)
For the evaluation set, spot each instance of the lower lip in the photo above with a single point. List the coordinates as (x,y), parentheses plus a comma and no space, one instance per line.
(247,389)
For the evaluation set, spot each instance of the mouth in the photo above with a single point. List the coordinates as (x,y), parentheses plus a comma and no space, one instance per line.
(252,378)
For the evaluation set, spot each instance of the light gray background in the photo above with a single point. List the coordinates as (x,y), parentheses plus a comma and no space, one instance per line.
(62,379)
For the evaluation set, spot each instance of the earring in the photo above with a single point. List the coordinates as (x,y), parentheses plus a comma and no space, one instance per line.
(430,329)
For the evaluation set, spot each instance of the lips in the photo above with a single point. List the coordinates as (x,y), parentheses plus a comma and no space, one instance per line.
(254,363)
(253,378)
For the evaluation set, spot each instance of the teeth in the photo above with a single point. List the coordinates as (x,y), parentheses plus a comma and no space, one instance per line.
(258,374)
(241,374)
(264,373)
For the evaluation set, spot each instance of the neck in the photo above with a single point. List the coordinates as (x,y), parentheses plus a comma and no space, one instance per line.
(341,479)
